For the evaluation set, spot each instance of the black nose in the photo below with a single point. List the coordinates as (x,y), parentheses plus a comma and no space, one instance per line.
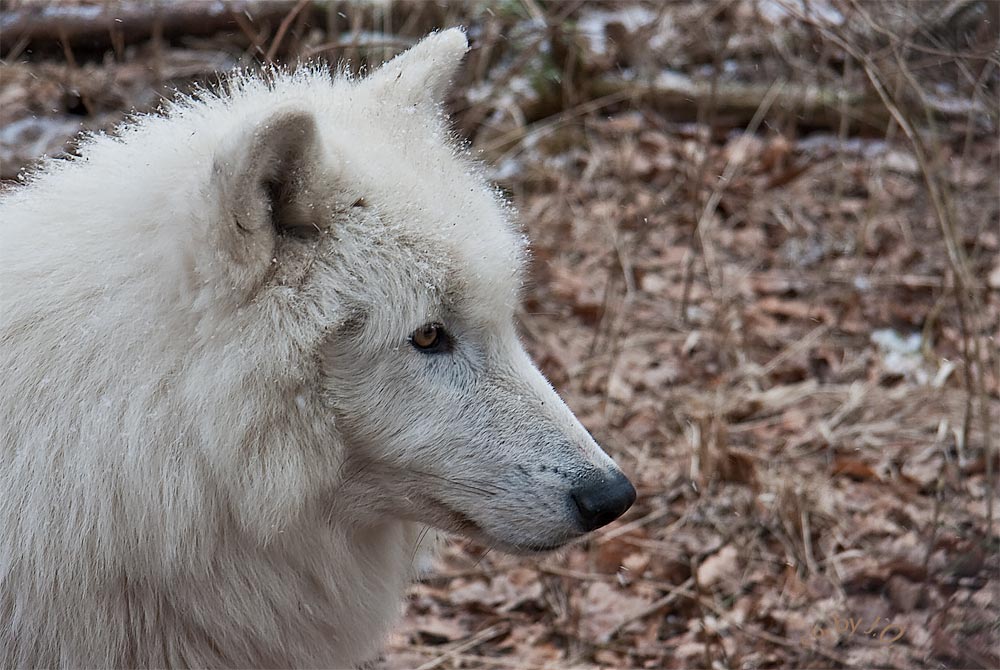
(602,499)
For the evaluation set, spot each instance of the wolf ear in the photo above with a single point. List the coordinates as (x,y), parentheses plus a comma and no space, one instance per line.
(263,178)
(420,75)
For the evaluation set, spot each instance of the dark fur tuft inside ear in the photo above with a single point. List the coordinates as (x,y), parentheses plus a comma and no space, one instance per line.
(264,179)
(286,147)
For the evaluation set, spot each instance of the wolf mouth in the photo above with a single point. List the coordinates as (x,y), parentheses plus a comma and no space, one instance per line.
(462,524)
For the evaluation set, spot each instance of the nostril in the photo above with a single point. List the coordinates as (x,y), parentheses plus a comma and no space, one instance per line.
(601,500)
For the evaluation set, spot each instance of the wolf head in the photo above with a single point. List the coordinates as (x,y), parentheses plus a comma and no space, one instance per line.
(355,205)
(245,343)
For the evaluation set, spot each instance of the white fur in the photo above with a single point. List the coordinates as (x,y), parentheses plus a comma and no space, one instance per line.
(217,446)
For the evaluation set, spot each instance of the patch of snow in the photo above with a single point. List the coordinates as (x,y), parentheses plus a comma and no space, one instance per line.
(672,79)
(521,85)
(35,136)
(902,162)
(79,13)
(901,356)
(479,92)
(821,10)
(858,146)
(508,168)
(592,24)
(952,105)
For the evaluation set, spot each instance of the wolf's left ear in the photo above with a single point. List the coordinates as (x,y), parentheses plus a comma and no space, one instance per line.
(263,177)
(421,74)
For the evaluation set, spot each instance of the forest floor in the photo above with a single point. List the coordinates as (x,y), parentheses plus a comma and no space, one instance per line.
(765,275)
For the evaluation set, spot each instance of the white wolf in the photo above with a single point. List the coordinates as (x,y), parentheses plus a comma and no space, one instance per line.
(251,349)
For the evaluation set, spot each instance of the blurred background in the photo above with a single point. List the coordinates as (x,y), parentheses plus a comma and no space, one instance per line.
(766,275)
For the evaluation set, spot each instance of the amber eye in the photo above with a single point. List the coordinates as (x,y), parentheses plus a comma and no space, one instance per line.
(429,338)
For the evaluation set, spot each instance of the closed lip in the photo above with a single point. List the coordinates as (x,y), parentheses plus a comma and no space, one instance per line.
(462,524)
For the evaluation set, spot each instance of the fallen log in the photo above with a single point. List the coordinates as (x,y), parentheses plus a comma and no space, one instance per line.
(680,99)
(44,26)
(109,25)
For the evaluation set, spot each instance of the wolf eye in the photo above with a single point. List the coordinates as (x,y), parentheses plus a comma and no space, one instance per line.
(430,338)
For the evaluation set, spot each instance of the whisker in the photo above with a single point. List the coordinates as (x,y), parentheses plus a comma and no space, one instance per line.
(485,553)
(477,486)
(416,545)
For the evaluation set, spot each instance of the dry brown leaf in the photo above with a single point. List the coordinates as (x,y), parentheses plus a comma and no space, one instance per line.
(904,594)
(604,607)
(854,469)
(719,566)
